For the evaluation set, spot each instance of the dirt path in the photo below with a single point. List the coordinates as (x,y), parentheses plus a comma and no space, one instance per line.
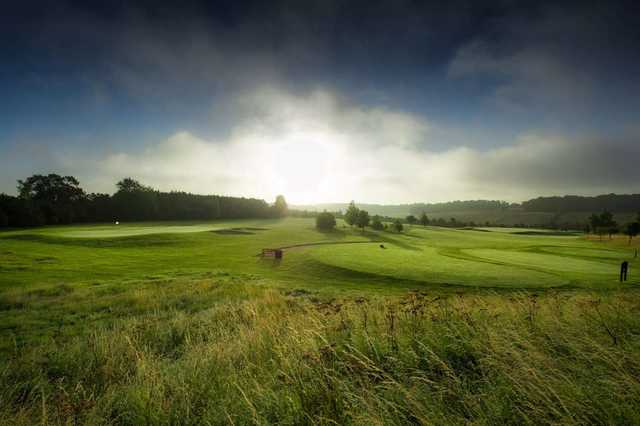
(327,242)
(320,243)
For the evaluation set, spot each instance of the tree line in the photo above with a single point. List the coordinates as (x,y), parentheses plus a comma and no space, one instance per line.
(576,203)
(53,199)
(361,218)
(456,206)
(605,224)
(600,224)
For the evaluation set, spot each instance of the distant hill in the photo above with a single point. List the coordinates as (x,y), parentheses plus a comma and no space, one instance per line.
(391,210)
(569,210)
(576,203)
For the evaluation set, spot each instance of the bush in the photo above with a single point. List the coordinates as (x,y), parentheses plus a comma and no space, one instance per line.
(325,221)
(377,224)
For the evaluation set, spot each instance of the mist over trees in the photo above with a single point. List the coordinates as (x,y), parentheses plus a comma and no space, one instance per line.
(280,207)
(53,199)
(575,203)
(452,206)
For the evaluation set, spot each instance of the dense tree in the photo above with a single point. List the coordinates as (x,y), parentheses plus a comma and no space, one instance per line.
(632,230)
(56,197)
(4,219)
(424,219)
(603,223)
(363,219)
(574,203)
(455,206)
(131,185)
(280,206)
(411,219)
(376,223)
(608,224)
(134,201)
(351,215)
(397,225)
(325,221)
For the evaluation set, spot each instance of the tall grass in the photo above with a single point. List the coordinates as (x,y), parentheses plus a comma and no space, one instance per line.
(266,357)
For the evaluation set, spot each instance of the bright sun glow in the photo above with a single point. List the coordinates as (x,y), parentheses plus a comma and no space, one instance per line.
(302,168)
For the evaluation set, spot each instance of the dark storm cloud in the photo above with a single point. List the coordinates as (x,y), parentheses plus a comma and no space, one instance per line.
(552,165)
(576,61)
(457,100)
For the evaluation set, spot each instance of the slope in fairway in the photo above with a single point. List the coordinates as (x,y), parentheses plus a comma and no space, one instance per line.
(485,259)
(431,256)
(134,229)
(433,266)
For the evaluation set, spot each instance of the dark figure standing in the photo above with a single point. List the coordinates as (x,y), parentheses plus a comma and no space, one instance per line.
(623,271)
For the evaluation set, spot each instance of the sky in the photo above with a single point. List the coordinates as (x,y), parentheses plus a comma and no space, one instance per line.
(324,101)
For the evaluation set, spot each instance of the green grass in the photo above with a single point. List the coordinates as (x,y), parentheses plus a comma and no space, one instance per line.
(166,323)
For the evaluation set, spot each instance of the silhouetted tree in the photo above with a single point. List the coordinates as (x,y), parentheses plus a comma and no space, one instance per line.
(53,195)
(411,219)
(4,219)
(632,230)
(134,201)
(54,199)
(603,224)
(131,185)
(325,221)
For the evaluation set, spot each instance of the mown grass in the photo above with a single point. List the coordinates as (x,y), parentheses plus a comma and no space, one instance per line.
(421,256)
(441,326)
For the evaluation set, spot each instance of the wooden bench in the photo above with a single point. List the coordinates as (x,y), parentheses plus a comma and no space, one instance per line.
(268,252)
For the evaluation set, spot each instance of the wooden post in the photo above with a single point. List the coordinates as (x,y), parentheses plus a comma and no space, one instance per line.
(623,270)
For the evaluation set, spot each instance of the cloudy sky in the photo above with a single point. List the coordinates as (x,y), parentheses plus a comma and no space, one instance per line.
(325,101)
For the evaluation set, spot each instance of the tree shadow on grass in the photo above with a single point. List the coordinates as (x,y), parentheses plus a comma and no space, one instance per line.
(387,237)
(333,234)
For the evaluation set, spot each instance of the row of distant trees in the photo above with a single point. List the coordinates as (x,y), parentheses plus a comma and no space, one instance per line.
(605,224)
(601,224)
(54,199)
(576,203)
(361,218)
(555,204)
(456,206)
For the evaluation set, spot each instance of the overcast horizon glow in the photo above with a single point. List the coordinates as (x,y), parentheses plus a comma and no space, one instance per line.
(386,102)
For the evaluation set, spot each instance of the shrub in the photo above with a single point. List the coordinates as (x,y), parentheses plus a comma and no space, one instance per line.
(325,221)
(376,223)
